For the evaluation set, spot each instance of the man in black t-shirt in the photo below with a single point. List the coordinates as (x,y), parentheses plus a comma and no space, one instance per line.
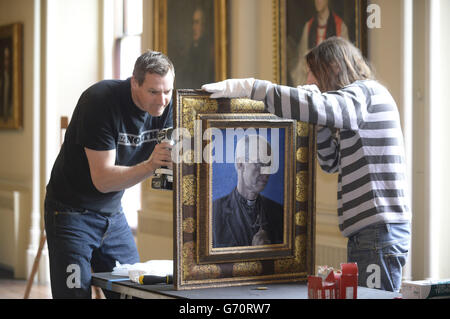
(110,145)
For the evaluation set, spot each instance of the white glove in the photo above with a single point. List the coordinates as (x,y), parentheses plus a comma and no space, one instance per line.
(231,88)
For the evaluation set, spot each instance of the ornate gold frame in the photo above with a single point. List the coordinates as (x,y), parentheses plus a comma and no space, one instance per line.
(292,262)
(14,33)
(220,34)
(280,35)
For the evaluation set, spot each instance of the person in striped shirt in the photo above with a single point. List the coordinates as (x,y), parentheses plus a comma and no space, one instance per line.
(360,138)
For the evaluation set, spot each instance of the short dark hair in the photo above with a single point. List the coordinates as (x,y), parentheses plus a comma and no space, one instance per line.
(336,63)
(152,62)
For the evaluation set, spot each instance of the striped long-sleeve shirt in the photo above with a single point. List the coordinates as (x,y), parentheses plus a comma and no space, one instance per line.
(368,154)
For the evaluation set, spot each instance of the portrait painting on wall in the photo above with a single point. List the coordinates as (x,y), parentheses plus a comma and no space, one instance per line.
(193,34)
(11,76)
(243,194)
(305,24)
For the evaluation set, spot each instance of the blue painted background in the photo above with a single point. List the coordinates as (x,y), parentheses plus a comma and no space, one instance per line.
(224,176)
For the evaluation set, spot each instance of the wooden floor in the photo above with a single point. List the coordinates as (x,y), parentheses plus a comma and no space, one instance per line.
(11,288)
(15,289)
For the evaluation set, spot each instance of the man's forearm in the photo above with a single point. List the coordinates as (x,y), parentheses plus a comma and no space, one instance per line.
(117,178)
(108,177)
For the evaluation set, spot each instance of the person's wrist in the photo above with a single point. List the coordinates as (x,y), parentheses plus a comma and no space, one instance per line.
(150,166)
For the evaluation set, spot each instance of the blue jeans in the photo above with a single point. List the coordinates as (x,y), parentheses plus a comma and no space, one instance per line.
(81,241)
(380,251)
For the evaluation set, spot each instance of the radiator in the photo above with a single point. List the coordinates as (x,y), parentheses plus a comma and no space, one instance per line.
(8,229)
(14,221)
(330,256)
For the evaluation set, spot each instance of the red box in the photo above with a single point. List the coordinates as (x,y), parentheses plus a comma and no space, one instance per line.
(334,284)
(348,288)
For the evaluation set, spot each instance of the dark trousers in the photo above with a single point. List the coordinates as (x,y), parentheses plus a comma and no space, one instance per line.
(80,241)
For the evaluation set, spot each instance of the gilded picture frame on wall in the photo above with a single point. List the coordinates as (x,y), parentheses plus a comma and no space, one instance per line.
(301,25)
(193,33)
(11,76)
(217,144)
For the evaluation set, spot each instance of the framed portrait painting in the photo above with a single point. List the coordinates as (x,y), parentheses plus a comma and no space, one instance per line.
(243,194)
(301,25)
(193,33)
(11,108)
(247,211)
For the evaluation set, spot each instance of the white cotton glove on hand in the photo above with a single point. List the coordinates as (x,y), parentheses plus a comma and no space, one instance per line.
(231,88)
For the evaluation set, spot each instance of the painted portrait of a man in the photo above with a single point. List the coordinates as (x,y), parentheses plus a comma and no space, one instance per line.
(191,45)
(310,22)
(6,106)
(248,209)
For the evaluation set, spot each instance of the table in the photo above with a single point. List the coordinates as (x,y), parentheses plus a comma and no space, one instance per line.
(127,289)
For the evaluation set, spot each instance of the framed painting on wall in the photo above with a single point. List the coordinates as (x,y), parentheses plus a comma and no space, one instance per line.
(193,33)
(11,68)
(301,25)
(243,194)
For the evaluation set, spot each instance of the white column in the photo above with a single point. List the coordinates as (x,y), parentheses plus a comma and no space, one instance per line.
(407,117)
(35,218)
(439,134)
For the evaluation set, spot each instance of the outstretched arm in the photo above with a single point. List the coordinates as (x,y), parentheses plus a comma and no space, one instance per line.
(343,109)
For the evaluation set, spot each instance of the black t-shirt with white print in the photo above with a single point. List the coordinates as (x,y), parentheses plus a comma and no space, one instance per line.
(105,118)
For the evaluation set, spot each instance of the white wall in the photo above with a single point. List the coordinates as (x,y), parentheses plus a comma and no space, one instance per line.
(440,148)
(251,41)
(72,62)
(385,48)
(17,146)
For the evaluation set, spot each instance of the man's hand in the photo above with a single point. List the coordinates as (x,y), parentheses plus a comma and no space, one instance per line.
(161,156)
(231,88)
